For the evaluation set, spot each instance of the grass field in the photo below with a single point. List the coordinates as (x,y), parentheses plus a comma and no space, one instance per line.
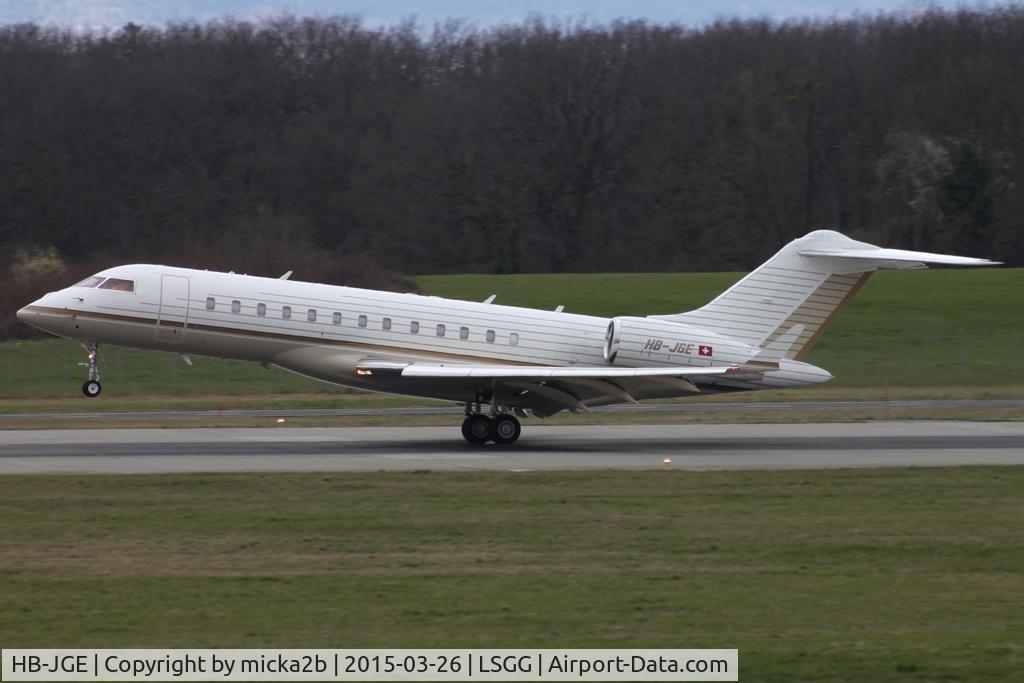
(882,575)
(939,328)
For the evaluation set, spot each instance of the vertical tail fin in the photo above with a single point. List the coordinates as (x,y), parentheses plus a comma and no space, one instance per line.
(802,289)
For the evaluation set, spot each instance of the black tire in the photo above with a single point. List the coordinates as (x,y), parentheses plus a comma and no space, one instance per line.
(505,430)
(476,429)
(91,388)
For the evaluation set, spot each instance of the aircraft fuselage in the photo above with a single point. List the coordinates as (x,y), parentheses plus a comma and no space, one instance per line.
(326,331)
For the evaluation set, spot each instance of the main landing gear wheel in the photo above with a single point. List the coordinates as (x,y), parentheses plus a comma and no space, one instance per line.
(476,429)
(91,388)
(505,430)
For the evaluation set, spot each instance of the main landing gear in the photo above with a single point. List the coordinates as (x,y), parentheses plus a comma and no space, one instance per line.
(503,429)
(92,387)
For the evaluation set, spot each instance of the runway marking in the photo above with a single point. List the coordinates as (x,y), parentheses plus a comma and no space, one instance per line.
(450,456)
(285,438)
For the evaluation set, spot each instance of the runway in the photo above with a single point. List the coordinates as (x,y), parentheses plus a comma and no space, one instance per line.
(629,447)
(711,406)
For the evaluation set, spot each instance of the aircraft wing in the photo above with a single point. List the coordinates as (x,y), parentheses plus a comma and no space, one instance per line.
(542,372)
(545,389)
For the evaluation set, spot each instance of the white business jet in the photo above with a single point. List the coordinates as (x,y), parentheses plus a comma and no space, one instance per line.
(499,361)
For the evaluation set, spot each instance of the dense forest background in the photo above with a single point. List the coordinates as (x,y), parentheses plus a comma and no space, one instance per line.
(348,152)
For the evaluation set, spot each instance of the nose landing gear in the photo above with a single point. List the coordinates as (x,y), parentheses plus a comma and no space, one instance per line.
(92,387)
(503,429)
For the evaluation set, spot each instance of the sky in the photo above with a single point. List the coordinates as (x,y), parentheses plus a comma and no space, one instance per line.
(113,13)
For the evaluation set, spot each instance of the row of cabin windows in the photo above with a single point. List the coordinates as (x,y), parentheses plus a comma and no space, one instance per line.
(385,323)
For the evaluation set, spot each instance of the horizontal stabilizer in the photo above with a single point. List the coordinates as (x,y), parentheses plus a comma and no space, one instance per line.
(901,255)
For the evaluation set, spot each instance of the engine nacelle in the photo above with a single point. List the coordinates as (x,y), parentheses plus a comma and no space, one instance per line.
(646,341)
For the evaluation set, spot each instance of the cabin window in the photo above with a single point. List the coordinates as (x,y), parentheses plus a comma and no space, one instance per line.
(490,336)
(90,282)
(362,321)
(336,319)
(463,333)
(211,303)
(386,323)
(286,312)
(440,330)
(118,285)
(311,315)
(414,327)
(513,339)
(236,306)
(261,309)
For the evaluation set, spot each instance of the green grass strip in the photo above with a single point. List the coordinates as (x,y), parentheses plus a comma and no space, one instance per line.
(883,575)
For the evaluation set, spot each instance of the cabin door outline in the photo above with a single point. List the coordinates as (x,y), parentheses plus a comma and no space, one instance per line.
(172,318)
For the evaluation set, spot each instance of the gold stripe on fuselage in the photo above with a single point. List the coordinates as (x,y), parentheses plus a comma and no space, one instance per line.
(381,348)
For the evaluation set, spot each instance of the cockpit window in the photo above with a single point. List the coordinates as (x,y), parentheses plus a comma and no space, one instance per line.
(118,284)
(90,281)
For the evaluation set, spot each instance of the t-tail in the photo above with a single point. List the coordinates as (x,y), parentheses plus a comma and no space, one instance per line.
(787,304)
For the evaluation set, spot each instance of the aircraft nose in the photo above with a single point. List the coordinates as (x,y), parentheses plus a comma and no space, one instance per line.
(27,315)
(43,314)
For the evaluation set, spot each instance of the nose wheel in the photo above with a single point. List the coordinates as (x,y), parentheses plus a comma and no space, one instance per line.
(503,429)
(92,387)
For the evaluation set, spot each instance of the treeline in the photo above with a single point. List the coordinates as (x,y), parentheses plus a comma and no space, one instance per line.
(529,147)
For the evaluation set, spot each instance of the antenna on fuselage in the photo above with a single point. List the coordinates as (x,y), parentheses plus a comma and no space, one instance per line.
(490,298)
(285,276)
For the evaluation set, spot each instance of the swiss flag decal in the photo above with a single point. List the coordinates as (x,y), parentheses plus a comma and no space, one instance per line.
(705,350)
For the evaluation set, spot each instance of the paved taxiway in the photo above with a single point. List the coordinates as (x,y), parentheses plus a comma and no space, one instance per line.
(746,446)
